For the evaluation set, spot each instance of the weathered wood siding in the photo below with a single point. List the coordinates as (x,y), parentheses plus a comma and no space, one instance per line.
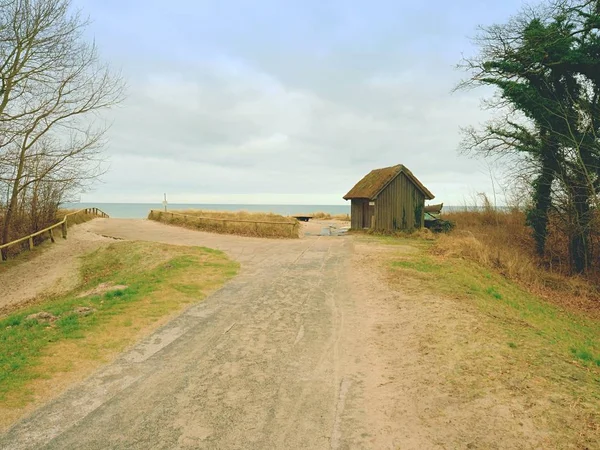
(399,206)
(356,213)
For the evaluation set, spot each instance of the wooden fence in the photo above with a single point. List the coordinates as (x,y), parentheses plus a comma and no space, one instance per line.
(63,224)
(225,221)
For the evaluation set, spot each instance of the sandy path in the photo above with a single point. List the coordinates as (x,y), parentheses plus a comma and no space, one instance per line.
(256,365)
(307,348)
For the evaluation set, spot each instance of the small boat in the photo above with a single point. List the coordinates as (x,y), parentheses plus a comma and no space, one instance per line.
(434,209)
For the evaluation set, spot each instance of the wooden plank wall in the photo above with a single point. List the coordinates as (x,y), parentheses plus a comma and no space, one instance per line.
(396,204)
(356,213)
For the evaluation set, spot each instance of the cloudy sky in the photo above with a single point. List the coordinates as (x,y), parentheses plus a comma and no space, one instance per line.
(287,102)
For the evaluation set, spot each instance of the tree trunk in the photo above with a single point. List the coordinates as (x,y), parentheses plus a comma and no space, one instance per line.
(537,217)
(579,247)
(12,205)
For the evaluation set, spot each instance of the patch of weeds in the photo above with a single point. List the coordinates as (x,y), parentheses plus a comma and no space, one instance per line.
(585,356)
(492,291)
(190,289)
(421,265)
(69,326)
(512,345)
(113,294)
(212,251)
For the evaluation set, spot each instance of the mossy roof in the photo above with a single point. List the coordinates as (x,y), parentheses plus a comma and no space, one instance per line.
(376,180)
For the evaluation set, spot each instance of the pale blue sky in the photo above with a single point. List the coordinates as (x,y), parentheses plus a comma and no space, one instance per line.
(287,102)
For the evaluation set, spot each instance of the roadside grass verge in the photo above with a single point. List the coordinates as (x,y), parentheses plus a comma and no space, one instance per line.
(568,333)
(127,290)
(547,353)
(502,242)
(241,223)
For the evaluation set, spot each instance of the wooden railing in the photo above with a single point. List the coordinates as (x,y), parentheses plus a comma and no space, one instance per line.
(63,224)
(225,221)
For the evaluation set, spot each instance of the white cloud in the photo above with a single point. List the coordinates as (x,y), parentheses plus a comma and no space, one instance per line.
(226,131)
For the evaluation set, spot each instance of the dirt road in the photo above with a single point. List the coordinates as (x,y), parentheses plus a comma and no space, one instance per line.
(306,348)
(257,365)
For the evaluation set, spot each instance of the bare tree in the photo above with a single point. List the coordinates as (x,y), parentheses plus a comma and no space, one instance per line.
(52,87)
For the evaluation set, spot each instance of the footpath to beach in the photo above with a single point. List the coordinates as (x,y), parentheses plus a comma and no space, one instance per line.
(308,347)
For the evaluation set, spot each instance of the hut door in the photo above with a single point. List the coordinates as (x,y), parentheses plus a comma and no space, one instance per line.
(367,212)
(366,219)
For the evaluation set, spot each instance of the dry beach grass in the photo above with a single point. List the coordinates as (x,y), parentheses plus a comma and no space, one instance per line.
(501,241)
(242,223)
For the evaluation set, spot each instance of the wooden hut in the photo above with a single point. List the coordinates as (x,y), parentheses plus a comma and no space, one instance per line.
(388,199)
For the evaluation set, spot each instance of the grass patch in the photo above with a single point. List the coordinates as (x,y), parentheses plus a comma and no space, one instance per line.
(420,265)
(501,241)
(492,291)
(159,280)
(241,223)
(531,317)
(534,346)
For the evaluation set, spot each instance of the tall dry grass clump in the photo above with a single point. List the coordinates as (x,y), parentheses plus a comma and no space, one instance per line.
(502,241)
(242,223)
(494,239)
(321,215)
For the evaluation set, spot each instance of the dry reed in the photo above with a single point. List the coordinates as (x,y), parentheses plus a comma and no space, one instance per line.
(242,223)
(321,215)
(503,242)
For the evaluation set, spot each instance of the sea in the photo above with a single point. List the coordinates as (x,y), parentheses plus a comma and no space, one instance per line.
(141,210)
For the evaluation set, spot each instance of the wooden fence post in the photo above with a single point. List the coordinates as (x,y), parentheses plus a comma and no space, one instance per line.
(52,236)
(64,229)
(30,243)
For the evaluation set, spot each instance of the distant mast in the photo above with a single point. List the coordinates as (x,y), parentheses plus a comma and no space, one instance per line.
(165,202)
